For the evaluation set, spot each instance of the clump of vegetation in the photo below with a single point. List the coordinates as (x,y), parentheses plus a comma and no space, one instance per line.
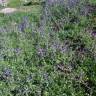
(52,53)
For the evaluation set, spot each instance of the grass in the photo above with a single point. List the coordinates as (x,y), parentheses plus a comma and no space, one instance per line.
(92,1)
(14,3)
(57,62)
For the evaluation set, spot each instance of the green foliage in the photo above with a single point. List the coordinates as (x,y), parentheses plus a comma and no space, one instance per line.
(58,62)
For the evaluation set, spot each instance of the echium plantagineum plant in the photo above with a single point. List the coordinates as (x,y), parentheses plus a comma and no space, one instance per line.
(6,74)
(24,24)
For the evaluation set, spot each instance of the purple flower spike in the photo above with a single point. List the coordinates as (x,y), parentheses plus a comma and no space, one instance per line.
(24,24)
(22,27)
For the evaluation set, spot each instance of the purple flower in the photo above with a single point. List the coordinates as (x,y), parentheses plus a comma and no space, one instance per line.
(7,72)
(54,2)
(41,52)
(72,3)
(93,33)
(24,24)
(56,46)
(17,51)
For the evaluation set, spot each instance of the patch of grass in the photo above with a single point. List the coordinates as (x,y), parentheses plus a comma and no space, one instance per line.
(14,3)
(92,2)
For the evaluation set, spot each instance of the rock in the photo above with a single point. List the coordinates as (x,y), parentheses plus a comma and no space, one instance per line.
(8,10)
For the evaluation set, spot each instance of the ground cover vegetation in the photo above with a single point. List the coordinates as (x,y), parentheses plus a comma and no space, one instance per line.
(48,48)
